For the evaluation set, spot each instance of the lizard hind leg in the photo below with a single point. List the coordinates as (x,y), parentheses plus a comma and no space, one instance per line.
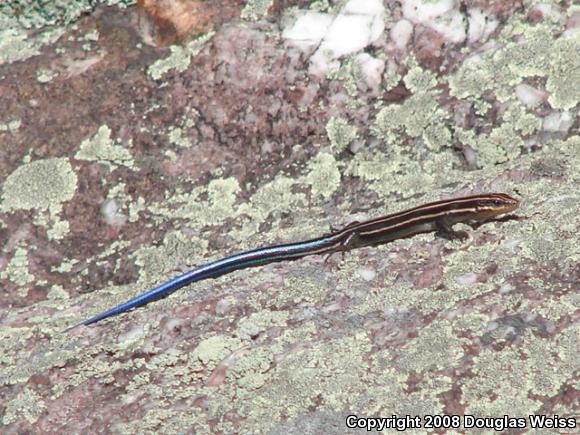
(350,242)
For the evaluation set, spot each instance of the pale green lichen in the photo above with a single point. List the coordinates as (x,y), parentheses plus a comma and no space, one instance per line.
(517,382)
(221,196)
(138,382)
(89,367)
(472,323)
(17,270)
(256,9)
(58,230)
(554,308)
(177,250)
(323,176)
(176,137)
(41,184)
(392,77)
(179,58)
(101,148)
(65,265)
(135,208)
(565,73)
(437,136)
(9,348)
(45,75)
(155,421)
(436,347)
(214,349)
(500,145)
(529,51)
(418,79)
(420,116)
(302,287)
(112,249)
(16,45)
(35,14)
(27,405)
(274,197)
(57,293)
(523,122)
(559,238)
(340,133)
(383,173)
(349,74)
(11,126)
(320,6)
(259,322)
(118,191)
(252,371)
(304,331)
(333,370)
(92,35)
(535,52)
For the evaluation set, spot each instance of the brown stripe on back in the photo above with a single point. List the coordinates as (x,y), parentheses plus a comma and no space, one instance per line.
(419,217)
(438,207)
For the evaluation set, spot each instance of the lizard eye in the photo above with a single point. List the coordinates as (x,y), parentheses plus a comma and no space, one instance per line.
(493,203)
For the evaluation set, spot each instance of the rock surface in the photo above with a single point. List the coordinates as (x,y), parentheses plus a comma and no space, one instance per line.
(123,161)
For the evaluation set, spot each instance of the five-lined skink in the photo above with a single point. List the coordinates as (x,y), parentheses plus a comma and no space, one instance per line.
(436,216)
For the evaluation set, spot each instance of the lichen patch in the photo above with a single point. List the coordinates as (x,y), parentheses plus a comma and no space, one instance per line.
(40,185)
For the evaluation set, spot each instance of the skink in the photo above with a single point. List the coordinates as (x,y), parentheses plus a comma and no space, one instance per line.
(436,216)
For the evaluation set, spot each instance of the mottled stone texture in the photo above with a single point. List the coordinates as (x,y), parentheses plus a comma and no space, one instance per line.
(123,162)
